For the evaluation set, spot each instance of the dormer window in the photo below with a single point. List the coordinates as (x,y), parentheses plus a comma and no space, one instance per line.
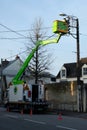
(63,73)
(84,70)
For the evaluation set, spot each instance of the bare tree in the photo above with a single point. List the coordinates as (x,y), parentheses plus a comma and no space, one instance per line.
(39,62)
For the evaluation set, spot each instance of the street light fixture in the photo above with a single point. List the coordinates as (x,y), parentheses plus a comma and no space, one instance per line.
(63,14)
(71,17)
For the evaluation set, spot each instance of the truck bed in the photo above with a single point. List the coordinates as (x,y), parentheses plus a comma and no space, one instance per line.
(27,106)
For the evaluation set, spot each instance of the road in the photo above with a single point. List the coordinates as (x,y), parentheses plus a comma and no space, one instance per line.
(15,120)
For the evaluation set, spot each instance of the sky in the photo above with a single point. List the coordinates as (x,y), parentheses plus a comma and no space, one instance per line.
(21,14)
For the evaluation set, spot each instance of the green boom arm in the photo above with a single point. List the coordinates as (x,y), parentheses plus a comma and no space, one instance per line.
(16,79)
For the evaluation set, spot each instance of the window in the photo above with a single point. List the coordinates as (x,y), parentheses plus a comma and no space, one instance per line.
(53,79)
(85,71)
(63,73)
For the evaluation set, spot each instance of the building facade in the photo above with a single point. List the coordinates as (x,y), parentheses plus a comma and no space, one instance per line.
(65,94)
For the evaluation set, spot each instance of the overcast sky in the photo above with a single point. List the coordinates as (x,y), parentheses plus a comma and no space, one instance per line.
(21,14)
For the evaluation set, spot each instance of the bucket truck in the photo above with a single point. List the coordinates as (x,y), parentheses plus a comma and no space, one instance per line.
(23,96)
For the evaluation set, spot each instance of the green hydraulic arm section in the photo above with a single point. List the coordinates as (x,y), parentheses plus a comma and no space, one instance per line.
(16,80)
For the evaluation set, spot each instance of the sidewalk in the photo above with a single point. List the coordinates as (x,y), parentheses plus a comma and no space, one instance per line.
(69,113)
(73,114)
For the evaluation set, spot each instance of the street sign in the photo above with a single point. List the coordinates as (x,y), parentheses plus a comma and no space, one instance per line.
(60,26)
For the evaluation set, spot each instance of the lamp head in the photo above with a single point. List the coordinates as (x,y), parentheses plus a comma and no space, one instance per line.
(62,14)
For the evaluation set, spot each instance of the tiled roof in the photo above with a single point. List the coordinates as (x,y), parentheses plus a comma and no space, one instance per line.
(6,63)
(71,68)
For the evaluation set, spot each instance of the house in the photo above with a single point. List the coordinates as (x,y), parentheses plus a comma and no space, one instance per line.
(8,70)
(68,72)
(65,93)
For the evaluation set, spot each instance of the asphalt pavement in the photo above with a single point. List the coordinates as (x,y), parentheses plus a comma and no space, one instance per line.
(62,112)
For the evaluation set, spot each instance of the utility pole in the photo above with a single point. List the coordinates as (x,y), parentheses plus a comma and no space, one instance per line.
(78,53)
(79,87)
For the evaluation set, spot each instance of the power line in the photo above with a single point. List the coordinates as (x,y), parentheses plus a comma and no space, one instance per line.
(25,50)
(83,34)
(12,30)
(17,32)
(25,30)
(13,38)
(18,38)
(17,54)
